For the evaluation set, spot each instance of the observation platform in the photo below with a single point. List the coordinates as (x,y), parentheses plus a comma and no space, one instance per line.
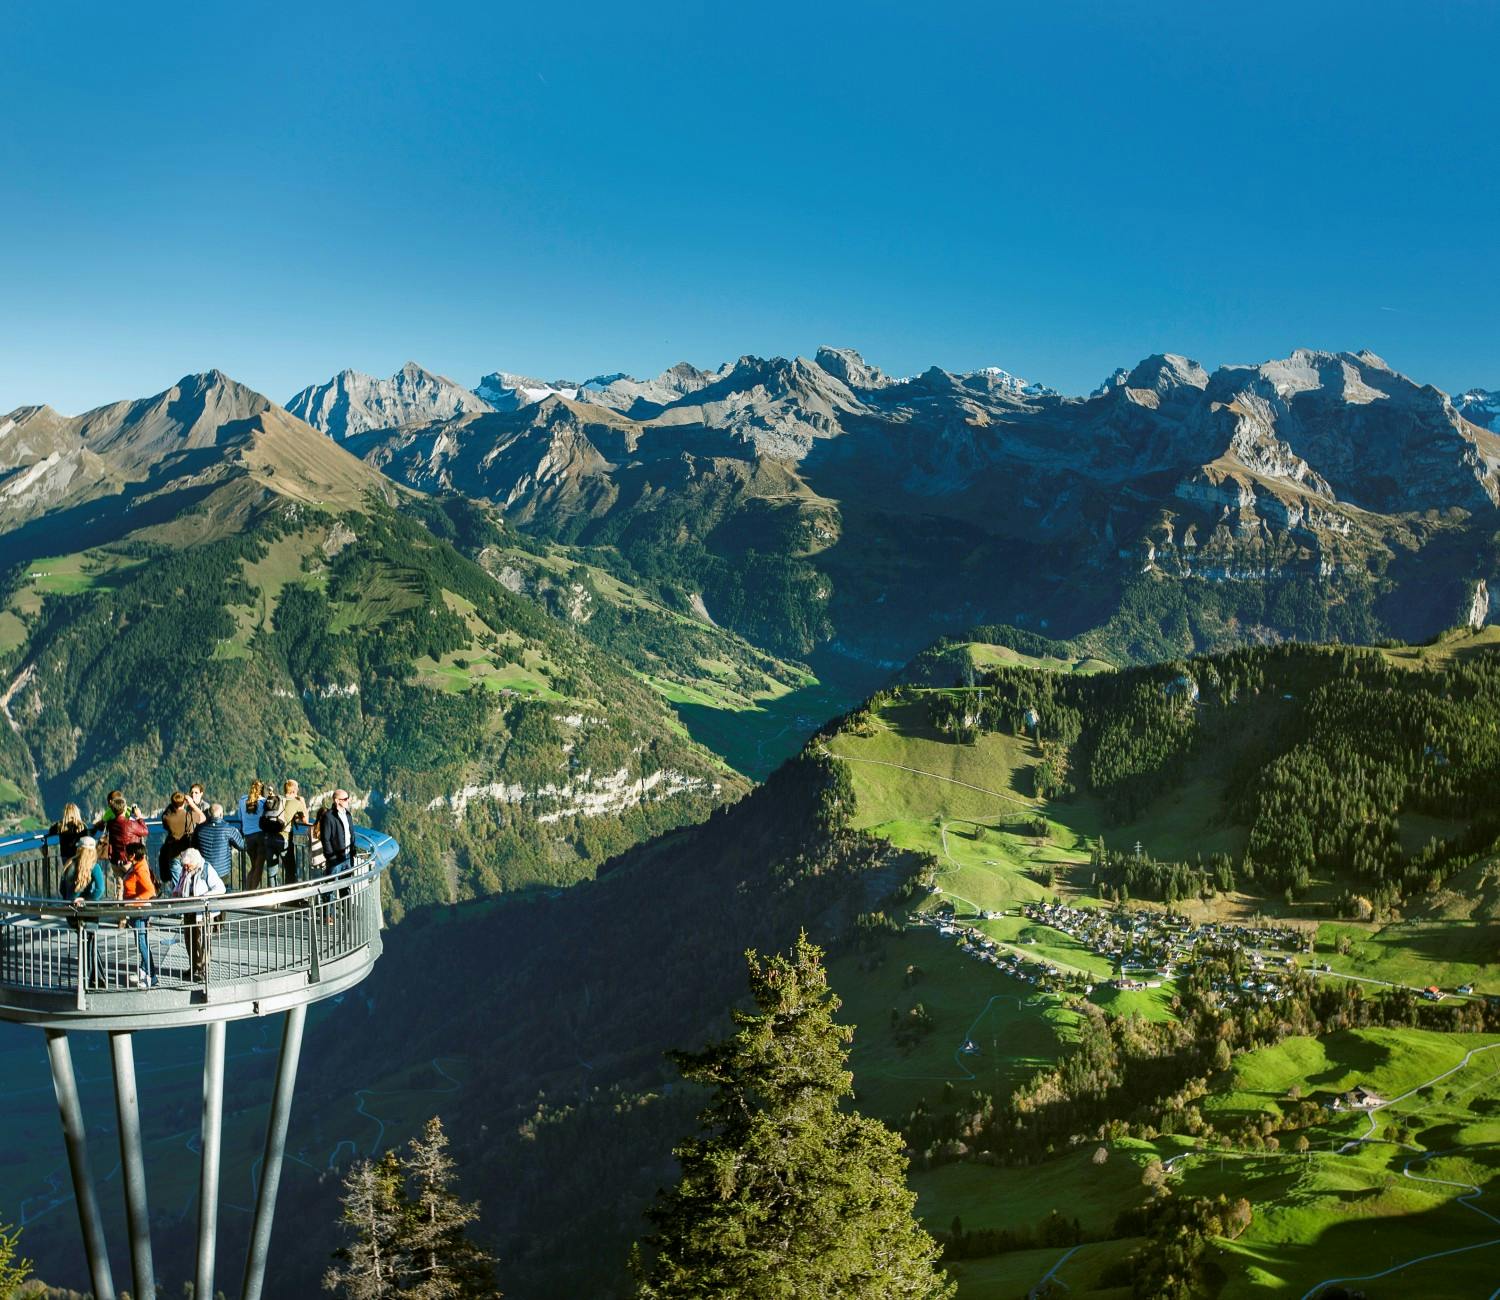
(67,967)
(268,951)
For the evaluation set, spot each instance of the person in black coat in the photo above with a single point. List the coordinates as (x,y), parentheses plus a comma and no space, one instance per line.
(336,834)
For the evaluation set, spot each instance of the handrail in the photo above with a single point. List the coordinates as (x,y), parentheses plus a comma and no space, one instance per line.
(235,953)
(373,851)
(242,900)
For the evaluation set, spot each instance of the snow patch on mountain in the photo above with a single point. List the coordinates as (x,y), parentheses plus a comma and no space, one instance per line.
(1479,406)
(503,391)
(1009,383)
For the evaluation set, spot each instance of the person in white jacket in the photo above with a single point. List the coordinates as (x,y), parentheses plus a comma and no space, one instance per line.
(198,880)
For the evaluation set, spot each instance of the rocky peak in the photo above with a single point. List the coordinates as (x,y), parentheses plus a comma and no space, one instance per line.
(1164,372)
(1118,379)
(847,365)
(622,392)
(187,416)
(353,403)
(778,406)
(1479,406)
(504,391)
(1001,381)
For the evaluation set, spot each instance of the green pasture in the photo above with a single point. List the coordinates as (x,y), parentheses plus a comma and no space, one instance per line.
(1323,1217)
(68,575)
(12,631)
(903,770)
(998,1196)
(460,669)
(57,575)
(1390,1061)
(1043,943)
(1009,1277)
(1148,1004)
(985,655)
(984,780)
(1446,648)
(1016,1030)
(1417,953)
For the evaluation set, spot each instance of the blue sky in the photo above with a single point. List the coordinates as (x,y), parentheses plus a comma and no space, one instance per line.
(283,190)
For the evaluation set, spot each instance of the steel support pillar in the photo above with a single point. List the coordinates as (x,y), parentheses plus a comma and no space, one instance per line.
(132,1164)
(208,1177)
(270,1174)
(91,1226)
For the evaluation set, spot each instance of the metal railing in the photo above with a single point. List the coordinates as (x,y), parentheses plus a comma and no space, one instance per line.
(206,945)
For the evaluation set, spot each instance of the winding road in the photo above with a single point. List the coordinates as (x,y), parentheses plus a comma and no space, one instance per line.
(1471,1194)
(1037,1290)
(1467,1200)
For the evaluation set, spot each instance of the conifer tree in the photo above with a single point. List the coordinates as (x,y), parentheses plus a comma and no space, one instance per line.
(409,1230)
(14,1270)
(444,1263)
(375,1207)
(786,1196)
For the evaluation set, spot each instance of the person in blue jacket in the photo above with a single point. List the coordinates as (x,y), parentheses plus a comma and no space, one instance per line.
(84,882)
(214,838)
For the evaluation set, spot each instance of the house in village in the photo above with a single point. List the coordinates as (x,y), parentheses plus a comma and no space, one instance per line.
(1357,1098)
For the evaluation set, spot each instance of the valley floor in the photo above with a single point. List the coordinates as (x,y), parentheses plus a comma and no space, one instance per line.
(1400,1201)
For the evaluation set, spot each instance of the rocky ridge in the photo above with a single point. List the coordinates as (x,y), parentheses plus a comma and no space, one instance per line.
(1329,465)
(1479,406)
(352,403)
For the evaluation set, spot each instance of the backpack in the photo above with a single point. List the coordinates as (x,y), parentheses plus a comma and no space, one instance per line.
(273,825)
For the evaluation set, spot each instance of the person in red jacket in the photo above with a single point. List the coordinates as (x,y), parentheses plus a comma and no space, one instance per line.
(123,825)
(137,887)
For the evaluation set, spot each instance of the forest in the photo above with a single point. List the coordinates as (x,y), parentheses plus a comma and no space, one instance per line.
(325,689)
(1317,751)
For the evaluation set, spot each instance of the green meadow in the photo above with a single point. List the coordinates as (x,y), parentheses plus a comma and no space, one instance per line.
(1346,1209)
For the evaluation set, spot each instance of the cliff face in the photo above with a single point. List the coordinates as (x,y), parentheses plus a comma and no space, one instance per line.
(351,403)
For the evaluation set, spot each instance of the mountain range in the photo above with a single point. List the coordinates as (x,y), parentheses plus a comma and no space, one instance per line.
(823,503)
(820,508)
(546,630)
(200,583)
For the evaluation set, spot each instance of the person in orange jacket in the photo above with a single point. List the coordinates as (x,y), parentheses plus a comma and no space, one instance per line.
(137,888)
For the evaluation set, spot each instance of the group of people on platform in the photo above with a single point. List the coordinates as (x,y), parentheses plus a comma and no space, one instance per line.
(107,859)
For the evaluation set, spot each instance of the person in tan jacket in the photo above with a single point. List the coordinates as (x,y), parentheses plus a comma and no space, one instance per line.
(292,802)
(179,819)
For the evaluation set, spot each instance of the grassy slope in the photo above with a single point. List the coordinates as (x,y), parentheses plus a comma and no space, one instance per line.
(750,707)
(1330,1215)
(1445,649)
(1017,1031)
(985,655)
(1317,1217)
(1417,953)
(980,787)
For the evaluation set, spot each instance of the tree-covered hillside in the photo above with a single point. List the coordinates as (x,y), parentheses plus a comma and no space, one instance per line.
(502,749)
(1315,754)
(574,1000)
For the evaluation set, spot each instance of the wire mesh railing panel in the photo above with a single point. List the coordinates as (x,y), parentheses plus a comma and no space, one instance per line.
(216,947)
